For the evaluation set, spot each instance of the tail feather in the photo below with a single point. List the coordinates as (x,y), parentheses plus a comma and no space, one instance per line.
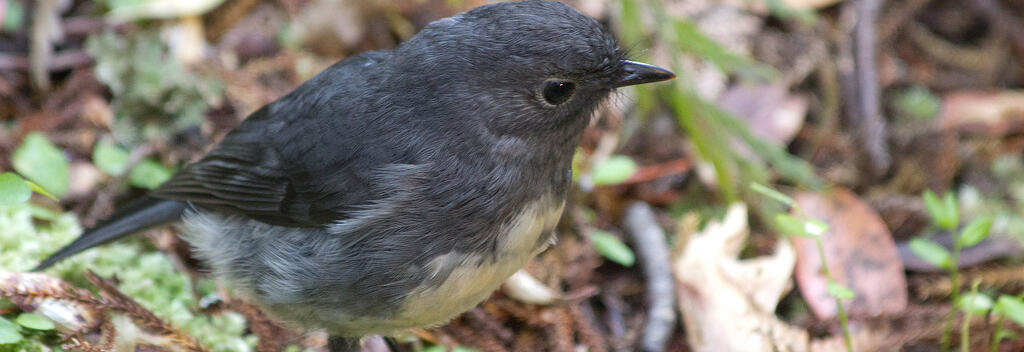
(137,216)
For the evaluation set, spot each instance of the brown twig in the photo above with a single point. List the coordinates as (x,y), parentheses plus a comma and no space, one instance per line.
(654,172)
(60,61)
(558,330)
(582,316)
(869,121)
(119,302)
(1001,18)
(898,16)
(653,253)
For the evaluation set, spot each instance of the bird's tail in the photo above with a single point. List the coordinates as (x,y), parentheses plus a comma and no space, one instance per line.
(137,216)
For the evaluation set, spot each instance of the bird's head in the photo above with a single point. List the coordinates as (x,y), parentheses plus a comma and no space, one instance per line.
(525,69)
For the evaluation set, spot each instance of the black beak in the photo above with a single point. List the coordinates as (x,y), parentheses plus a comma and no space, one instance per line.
(639,73)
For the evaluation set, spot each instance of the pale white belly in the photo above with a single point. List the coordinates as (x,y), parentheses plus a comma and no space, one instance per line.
(473,277)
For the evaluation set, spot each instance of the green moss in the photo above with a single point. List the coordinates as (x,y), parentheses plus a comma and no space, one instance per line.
(147,276)
(154,95)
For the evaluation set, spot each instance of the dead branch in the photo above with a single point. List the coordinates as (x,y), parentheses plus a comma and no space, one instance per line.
(652,251)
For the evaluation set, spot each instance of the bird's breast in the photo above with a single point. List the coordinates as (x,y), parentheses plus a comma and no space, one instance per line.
(459,281)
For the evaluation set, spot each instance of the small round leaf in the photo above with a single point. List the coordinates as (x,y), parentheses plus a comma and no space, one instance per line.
(614,170)
(9,332)
(13,189)
(976,232)
(979,303)
(839,291)
(609,246)
(931,252)
(34,321)
(149,174)
(1011,307)
(43,163)
(110,158)
(793,226)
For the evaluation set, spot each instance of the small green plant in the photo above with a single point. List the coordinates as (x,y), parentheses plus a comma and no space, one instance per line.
(612,248)
(971,303)
(613,170)
(975,302)
(803,226)
(1006,307)
(945,215)
(917,102)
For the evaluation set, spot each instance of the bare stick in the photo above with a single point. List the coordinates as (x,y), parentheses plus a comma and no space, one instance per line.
(653,253)
(871,124)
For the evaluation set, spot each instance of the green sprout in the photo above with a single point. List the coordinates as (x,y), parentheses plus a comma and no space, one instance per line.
(945,215)
(801,225)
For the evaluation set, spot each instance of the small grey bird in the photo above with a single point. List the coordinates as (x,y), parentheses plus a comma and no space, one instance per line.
(398,188)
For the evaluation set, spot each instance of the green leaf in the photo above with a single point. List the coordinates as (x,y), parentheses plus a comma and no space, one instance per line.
(780,9)
(787,165)
(609,246)
(34,321)
(150,174)
(1006,334)
(13,189)
(791,225)
(815,227)
(943,213)
(772,193)
(13,16)
(975,232)
(949,202)
(839,291)
(1011,307)
(979,303)
(9,332)
(41,162)
(614,170)
(110,158)
(917,102)
(711,143)
(692,40)
(39,189)
(632,30)
(931,252)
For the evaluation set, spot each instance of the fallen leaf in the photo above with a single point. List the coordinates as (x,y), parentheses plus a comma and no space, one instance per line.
(728,304)
(84,178)
(161,9)
(861,255)
(770,111)
(995,113)
(761,7)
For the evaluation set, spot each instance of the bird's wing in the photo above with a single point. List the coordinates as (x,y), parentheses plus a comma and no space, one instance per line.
(304,160)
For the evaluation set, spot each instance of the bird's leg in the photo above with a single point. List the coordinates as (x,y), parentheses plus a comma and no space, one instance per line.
(343,344)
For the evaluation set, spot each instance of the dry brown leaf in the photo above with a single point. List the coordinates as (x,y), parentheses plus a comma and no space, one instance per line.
(861,254)
(85,177)
(762,6)
(994,113)
(728,304)
(771,113)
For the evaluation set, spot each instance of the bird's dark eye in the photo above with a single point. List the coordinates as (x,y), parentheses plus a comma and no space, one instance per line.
(556,91)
